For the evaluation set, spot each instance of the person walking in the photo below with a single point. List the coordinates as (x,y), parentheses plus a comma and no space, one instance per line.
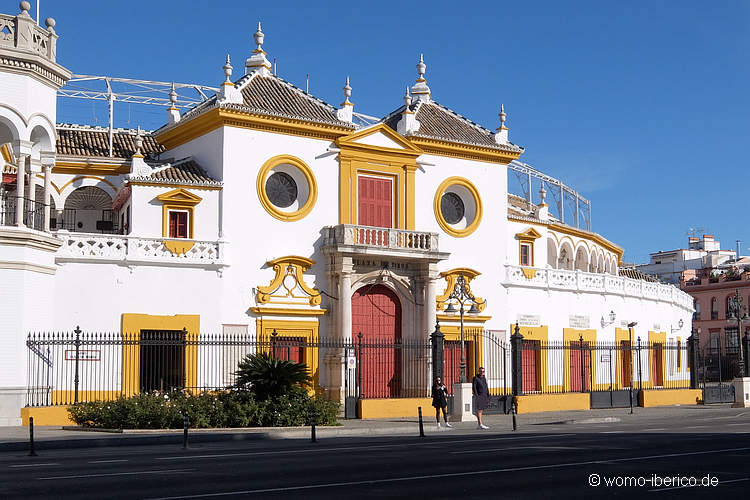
(481,396)
(440,401)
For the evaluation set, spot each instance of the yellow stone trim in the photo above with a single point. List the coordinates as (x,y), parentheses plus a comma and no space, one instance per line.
(656,338)
(287,311)
(291,265)
(47,415)
(364,159)
(393,408)
(533,403)
(91,168)
(589,336)
(7,153)
(468,320)
(450,282)
(71,181)
(528,272)
(187,130)
(667,397)
(451,181)
(132,324)
(178,200)
(453,150)
(528,237)
(308,330)
(311,184)
(179,247)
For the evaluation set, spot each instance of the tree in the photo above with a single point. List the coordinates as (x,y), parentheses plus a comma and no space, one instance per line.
(269,377)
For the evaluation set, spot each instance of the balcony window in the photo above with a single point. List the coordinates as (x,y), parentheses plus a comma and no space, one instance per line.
(714,308)
(525,254)
(178,224)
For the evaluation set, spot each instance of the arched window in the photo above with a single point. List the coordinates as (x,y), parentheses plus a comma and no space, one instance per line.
(714,308)
(727,306)
(697,313)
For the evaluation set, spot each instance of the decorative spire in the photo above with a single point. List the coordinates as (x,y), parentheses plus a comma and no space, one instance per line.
(173,97)
(346,112)
(138,166)
(25,6)
(408,123)
(50,24)
(258,62)
(228,72)
(172,111)
(407,100)
(542,195)
(139,142)
(501,135)
(420,90)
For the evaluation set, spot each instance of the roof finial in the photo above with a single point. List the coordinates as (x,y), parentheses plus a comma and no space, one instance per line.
(258,62)
(347,92)
(407,99)
(228,72)
(542,193)
(501,134)
(259,37)
(173,97)
(502,115)
(420,90)
(408,123)
(139,141)
(25,6)
(174,113)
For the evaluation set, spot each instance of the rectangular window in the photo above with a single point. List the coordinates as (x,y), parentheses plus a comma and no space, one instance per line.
(525,254)
(178,224)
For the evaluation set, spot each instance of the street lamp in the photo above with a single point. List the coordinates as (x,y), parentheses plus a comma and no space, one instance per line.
(462,294)
(736,308)
(612,318)
(680,324)
(630,332)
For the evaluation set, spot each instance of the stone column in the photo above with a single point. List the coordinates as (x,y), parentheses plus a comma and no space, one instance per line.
(31,188)
(20,190)
(48,161)
(429,313)
(345,306)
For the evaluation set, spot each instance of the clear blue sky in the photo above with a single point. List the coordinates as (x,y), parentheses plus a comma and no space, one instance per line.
(641,106)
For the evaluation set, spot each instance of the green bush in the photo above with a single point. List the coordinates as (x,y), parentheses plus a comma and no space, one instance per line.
(210,409)
(267,376)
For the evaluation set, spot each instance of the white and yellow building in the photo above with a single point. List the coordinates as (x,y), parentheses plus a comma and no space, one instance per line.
(266,208)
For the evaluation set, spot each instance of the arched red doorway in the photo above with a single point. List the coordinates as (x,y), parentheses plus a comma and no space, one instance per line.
(376,313)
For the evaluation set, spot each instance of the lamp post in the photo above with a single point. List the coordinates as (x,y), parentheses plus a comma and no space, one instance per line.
(736,308)
(630,344)
(612,318)
(462,294)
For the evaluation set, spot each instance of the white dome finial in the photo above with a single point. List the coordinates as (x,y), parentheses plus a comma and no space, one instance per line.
(173,96)
(421,68)
(502,115)
(25,6)
(420,90)
(259,37)
(227,70)
(347,91)
(407,98)
(258,62)
(138,141)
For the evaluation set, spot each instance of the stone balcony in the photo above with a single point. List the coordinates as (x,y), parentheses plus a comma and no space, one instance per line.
(580,281)
(384,242)
(133,250)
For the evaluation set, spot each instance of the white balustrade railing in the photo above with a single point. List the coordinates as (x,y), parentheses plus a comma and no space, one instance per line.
(581,281)
(86,246)
(386,238)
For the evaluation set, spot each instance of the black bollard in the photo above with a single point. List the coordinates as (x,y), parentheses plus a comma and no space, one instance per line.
(185,422)
(32,453)
(312,428)
(513,412)
(421,424)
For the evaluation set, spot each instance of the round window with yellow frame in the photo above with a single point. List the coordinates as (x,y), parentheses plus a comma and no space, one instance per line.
(458,207)
(286,188)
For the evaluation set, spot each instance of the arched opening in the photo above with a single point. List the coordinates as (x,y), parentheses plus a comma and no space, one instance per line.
(582,260)
(376,314)
(565,259)
(714,308)
(41,142)
(88,209)
(551,253)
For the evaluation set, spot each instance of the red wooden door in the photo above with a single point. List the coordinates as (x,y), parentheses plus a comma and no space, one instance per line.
(625,362)
(579,354)
(290,349)
(452,362)
(657,365)
(375,206)
(376,313)
(530,366)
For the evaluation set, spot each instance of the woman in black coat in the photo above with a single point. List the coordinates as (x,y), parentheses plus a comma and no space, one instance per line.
(440,401)
(481,396)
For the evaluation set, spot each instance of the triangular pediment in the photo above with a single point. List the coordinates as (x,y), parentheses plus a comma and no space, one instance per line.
(379,138)
(182,196)
(529,234)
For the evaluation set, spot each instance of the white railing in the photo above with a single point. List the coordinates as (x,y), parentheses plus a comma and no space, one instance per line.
(380,237)
(116,248)
(18,32)
(580,281)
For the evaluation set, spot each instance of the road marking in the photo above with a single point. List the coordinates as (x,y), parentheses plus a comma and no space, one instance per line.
(699,486)
(31,465)
(133,473)
(656,429)
(446,475)
(612,432)
(735,424)
(696,427)
(107,461)
(345,448)
(483,450)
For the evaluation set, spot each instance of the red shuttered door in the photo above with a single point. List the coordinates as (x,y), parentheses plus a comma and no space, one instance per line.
(579,354)
(452,362)
(530,367)
(375,207)
(376,313)
(290,349)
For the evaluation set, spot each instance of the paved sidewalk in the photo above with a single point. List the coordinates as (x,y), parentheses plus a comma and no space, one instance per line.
(47,437)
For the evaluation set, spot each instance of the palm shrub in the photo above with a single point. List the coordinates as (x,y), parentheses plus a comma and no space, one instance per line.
(268,377)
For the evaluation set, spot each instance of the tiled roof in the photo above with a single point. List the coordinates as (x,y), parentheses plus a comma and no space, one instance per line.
(633,273)
(93,142)
(272,95)
(185,171)
(438,122)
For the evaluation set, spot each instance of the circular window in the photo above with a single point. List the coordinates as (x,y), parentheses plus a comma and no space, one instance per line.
(281,189)
(458,207)
(286,188)
(452,208)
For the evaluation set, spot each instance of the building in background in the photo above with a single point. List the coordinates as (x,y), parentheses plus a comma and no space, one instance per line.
(705,253)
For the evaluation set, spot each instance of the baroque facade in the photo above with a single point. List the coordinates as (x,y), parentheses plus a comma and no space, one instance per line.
(265,209)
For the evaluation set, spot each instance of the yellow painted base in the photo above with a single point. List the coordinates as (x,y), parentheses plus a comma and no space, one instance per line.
(670,397)
(394,408)
(47,415)
(534,403)
(178,247)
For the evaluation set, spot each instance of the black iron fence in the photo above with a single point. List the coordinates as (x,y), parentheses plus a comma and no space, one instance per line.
(33,213)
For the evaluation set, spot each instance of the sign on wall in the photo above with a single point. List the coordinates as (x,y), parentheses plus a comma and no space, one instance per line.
(579,322)
(83,355)
(529,320)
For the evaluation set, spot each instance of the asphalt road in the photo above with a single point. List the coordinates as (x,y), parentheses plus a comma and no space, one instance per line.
(632,458)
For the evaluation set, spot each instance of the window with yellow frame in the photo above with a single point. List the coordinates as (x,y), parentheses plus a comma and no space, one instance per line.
(178,210)
(526,241)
